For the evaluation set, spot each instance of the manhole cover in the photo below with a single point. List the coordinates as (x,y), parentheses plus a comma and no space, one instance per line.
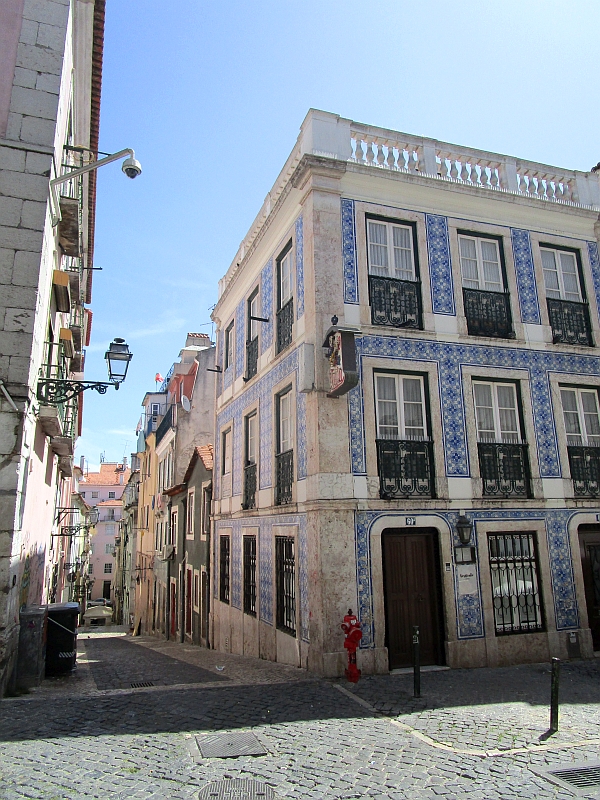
(141,684)
(230,745)
(238,788)
(583,779)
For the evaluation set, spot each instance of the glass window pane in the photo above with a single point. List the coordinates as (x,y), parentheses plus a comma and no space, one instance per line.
(378,254)
(387,409)
(550,274)
(570,278)
(468,262)
(403,253)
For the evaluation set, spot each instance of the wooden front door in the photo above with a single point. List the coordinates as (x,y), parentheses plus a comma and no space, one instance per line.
(173,608)
(589,544)
(412,595)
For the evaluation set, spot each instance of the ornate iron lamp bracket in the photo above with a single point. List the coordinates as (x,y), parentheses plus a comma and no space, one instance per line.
(61,390)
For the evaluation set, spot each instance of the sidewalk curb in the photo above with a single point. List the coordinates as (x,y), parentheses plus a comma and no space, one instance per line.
(463,751)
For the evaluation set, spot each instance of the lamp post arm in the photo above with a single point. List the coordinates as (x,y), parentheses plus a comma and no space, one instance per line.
(81,171)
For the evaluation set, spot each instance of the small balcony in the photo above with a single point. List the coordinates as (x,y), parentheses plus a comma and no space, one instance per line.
(395,303)
(405,468)
(249,498)
(488,313)
(285,321)
(504,469)
(570,322)
(252,358)
(284,477)
(585,470)
(166,424)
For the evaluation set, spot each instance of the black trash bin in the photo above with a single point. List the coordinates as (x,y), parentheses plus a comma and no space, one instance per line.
(61,644)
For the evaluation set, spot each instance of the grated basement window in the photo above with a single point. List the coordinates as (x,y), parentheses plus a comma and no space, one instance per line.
(515,584)
(224,551)
(286,584)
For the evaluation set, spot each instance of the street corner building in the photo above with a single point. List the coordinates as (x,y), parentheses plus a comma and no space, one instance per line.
(50,76)
(407,412)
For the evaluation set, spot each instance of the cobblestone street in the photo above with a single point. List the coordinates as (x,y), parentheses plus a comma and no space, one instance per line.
(476,734)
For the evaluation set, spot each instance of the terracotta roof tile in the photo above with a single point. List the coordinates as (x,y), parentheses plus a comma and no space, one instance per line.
(109,475)
(206,453)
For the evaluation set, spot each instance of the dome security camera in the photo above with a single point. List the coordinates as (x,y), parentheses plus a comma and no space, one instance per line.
(131,167)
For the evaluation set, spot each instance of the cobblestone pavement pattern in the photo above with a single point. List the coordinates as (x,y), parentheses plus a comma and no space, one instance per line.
(325,739)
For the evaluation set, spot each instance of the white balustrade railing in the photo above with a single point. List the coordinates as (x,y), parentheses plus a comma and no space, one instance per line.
(331,137)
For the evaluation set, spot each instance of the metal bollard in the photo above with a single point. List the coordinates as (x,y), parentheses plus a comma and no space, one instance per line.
(554,695)
(416,662)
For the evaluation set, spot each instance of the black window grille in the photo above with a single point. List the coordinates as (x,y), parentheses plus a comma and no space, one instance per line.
(515,584)
(405,468)
(285,584)
(224,566)
(504,469)
(570,322)
(284,477)
(585,470)
(488,313)
(251,358)
(285,321)
(249,499)
(250,575)
(396,303)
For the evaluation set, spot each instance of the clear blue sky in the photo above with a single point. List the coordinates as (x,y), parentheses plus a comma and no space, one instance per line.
(211,97)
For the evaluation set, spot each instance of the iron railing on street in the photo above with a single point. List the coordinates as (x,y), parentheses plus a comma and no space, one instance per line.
(515,587)
(285,568)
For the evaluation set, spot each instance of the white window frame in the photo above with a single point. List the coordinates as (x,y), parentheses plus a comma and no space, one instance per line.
(482,284)
(251,453)
(191,510)
(586,439)
(561,291)
(226,456)
(253,311)
(173,527)
(196,591)
(285,284)
(229,344)
(285,437)
(500,437)
(391,270)
(108,568)
(399,379)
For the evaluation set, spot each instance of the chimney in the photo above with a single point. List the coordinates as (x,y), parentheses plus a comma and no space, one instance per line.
(82,464)
(124,462)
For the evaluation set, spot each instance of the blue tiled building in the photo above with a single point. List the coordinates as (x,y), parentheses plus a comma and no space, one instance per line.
(453,483)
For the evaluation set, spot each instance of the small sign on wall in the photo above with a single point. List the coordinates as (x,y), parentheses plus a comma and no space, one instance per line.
(410,521)
(341,353)
(467,580)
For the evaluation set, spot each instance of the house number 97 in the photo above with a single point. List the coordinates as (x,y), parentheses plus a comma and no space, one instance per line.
(411,521)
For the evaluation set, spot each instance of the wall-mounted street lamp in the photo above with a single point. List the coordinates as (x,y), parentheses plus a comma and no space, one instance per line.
(59,390)
(131,167)
(91,519)
(465,554)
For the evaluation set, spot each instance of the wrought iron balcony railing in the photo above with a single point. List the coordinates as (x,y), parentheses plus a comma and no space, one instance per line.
(405,468)
(585,470)
(504,469)
(251,358)
(396,303)
(570,322)
(488,313)
(285,321)
(284,477)
(249,499)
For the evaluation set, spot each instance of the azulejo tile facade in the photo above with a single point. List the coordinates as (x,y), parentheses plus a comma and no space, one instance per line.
(528,299)
(440,265)
(469,609)
(450,359)
(350,264)
(265,524)
(299,229)
(266,305)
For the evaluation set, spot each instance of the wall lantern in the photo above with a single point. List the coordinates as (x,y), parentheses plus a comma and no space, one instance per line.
(60,390)
(464,528)
(93,517)
(117,360)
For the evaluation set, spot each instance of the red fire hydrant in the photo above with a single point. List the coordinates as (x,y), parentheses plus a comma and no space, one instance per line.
(351,627)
